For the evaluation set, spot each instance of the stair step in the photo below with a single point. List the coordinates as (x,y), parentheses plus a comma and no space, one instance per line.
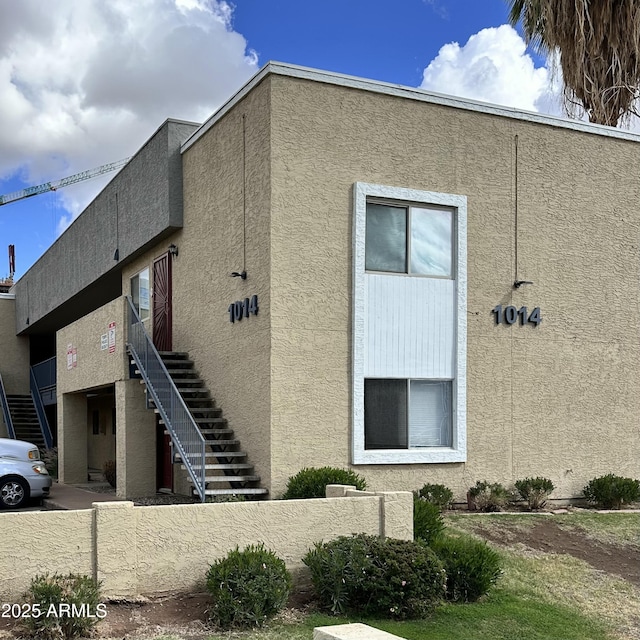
(231,479)
(201,421)
(213,432)
(220,454)
(189,383)
(223,466)
(177,363)
(173,354)
(249,491)
(223,443)
(182,373)
(193,392)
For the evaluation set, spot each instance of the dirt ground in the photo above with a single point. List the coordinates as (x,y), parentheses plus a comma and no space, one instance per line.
(547,536)
(185,615)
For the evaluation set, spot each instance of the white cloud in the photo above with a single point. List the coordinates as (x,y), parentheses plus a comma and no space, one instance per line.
(87,82)
(493,66)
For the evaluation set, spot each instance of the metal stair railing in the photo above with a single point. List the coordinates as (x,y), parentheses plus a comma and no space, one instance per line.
(184,432)
(5,411)
(39,406)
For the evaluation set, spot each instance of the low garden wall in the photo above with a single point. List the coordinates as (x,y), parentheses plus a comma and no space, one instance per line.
(156,550)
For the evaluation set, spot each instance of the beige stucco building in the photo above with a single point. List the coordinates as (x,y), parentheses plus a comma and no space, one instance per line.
(418,287)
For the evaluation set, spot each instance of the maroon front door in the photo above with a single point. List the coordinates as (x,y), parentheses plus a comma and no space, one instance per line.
(162,303)
(164,466)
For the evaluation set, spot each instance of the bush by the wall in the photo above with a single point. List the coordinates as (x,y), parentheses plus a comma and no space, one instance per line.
(427,520)
(485,496)
(534,491)
(472,567)
(109,470)
(247,587)
(68,606)
(437,494)
(611,491)
(372,575)
(50,459)
(311,482)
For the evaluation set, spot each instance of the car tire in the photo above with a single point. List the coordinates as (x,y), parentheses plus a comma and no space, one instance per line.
(14,492)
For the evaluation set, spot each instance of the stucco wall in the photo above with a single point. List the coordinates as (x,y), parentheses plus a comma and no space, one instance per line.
(141,204)
(227,200)
(560,400)
(101,446)
(155,550)
(14,364)
(94,366)
(49,542)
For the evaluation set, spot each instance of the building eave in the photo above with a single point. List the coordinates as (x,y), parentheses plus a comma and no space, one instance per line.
(410,93)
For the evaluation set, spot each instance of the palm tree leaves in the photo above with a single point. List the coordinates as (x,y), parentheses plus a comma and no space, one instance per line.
(599,46)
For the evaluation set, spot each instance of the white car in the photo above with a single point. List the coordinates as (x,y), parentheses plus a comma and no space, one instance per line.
(22,474)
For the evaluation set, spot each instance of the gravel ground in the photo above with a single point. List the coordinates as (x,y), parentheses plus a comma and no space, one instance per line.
(158,499)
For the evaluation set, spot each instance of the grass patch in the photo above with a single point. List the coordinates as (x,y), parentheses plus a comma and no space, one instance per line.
(502,616)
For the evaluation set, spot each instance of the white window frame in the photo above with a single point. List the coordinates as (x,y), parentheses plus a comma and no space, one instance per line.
(458,451)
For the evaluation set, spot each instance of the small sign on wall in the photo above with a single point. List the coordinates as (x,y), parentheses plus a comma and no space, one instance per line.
(104,342)
(112,337)
(72,357)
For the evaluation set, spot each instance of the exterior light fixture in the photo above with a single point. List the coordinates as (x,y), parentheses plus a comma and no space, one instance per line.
(173,249)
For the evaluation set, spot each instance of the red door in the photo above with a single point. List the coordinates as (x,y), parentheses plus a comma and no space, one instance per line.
(162,340)
(162,303)
(164,466)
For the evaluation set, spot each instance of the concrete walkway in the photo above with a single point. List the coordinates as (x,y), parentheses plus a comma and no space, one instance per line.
(65,496)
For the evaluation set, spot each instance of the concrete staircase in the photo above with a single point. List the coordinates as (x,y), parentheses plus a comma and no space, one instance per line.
(25,419)
(226,469)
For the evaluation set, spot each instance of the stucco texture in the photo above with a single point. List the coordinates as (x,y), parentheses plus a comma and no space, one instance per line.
(50,542)
(14,364)
(559,400)
(94,367)
(226,229)
(157,550)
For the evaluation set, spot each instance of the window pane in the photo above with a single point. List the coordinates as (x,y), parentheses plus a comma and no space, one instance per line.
(430,423)
(135,293)
(144,294)
(385,414)
(431,241)
(386,238)
(140,293)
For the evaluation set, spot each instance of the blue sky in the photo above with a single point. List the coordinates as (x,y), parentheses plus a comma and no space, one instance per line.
(88,83)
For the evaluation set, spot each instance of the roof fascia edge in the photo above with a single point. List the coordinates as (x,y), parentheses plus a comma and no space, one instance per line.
(377,86)
(227,106)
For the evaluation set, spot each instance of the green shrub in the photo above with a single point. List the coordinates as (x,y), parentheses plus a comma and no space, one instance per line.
(611,491)
(427,520)
(68,606)
(50,459)
(311,482)
(109,470)
(437,494)
(472,567)
(488,497)
(371,575)
(534,491)
(247,587)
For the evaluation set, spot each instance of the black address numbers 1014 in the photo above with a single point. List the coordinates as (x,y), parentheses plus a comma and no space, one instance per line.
(510,315)
(243,308)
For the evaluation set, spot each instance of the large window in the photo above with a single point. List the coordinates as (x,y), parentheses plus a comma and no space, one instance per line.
(403,414)
(140,293)
(409,239)
(409,340)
